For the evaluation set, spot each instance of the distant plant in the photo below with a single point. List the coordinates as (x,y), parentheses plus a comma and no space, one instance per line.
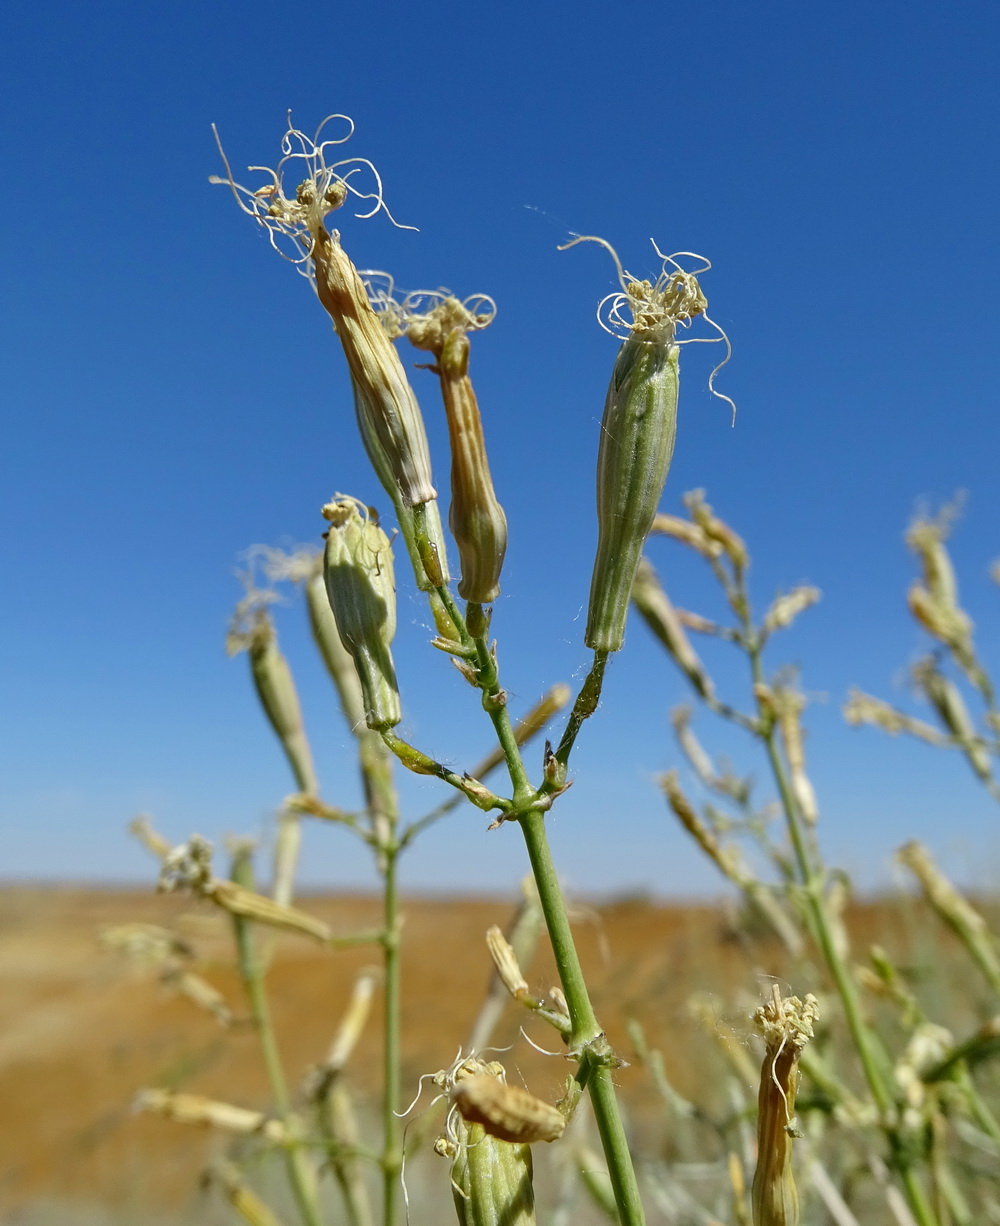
(918,1090)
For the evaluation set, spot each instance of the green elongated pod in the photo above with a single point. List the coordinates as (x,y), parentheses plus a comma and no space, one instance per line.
(253,631)
(360,584)
(637,444)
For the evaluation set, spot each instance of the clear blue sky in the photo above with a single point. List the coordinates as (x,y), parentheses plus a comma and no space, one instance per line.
(172,392)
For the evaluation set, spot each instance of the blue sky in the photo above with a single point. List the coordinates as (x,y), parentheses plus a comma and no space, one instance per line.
(173,393)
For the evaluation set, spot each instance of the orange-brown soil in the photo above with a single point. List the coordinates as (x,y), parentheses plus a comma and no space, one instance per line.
(81,1029)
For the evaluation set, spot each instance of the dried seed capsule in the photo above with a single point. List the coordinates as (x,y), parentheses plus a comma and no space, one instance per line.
(358,571)
(946,699)
(953,909)
(661,617)
(787,1025)
(477,520)
(195,1109)
(388,411)
(506,1112)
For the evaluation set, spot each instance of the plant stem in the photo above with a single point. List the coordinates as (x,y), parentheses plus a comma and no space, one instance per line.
(495,702)
(392,1157)
(585,705)
(586,1038)
(587,1041)
(299,1173)
(383,805)
(812,881)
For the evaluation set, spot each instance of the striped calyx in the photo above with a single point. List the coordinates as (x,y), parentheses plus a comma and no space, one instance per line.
(491,1177)
(360,584)
(389,418)
(637,437)
(637,443)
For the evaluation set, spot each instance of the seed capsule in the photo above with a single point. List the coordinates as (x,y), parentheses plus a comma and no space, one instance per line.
(637,431)
(385,471)
(296,218)
(360,584)
(491,1178)
(787,1025)
(477,520)
(252,630)
(506,1112)
(637,443)
(661,617)
(388,413)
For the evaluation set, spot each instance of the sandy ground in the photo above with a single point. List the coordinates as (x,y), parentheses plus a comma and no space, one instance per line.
(82,1029)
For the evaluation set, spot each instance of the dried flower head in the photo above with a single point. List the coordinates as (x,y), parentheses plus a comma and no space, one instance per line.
(479,1094)
(654,310)
(295,220)
(439,323)
(305,188)
(787,1026)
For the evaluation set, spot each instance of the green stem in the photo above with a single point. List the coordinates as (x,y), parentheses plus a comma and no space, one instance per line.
(495,702)
(812,882)
(422,764)
(585,705)
(978,1109)
(383,805)
(339,1127)
(299,1174)
(586,1038)
(392,1154)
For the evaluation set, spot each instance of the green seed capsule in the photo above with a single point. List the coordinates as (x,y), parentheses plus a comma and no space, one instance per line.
(358,571)
(638,428)
(275,688)
(491,1178)
(637,443)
